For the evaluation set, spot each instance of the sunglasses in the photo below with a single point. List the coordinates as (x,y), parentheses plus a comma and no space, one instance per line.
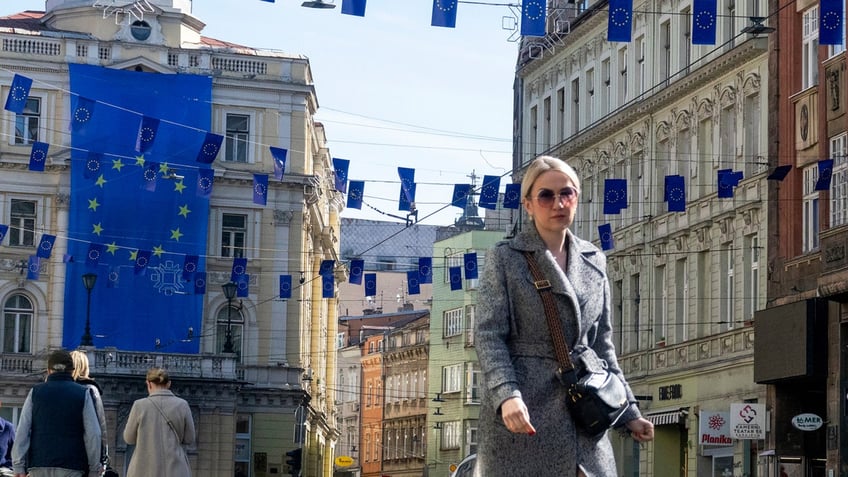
(546,197)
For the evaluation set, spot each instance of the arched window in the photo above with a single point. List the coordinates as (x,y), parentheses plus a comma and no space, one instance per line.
(17,325)
(235,321)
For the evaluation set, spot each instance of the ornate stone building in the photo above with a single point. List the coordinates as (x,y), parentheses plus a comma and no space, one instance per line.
(275,391)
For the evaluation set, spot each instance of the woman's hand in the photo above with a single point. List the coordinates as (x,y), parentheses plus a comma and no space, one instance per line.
(641,429)
(515,416)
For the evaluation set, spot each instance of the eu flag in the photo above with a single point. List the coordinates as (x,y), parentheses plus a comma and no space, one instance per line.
(142,260)
(169,222)
(243,286)
(455,274)
(38,156)
(353,7)
(279,156)
(356,267)
(205,181)
(4,229)
(489,192)
(512,196)
(831,19)
(620,21)
(533,17)
(190,266)
(407,187)
(779,173)
(470,260)
(615,195)
(45,247)
(327,267)
(147,129)
(825,173)
(460,195)
(370,284)
(33,267)
(704,22)
(18,94)
(209,149)
(285,287)
(605,232)
(675,193)
(239,268)
(341,166)
(328,286)
(444,13)
(355,194)
(92,165)
(413,286)
(200,283)
(425,269)
(260,189)
(727,181)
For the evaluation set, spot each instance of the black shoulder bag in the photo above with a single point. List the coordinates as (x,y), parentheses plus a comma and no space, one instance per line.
(596,398)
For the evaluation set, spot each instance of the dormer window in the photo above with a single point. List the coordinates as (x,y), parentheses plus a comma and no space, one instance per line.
(140,30)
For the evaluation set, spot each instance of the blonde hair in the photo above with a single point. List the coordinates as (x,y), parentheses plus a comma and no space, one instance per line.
(158,376)
(543,164)
(80,364)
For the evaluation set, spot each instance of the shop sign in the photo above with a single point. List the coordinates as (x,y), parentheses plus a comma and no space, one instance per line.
(807,422)
(748,421)
(714,428)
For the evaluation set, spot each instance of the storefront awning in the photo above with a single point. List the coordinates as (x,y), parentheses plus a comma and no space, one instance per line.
(664,418)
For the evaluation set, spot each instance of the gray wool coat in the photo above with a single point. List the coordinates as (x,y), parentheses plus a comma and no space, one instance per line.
(159,445)
(517,358)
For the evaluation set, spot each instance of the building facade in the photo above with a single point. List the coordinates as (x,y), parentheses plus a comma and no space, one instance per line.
(275,391)
(453,387)
(801,335)
(685,284)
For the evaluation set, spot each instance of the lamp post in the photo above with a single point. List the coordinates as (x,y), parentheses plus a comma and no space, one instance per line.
(229,293)
(88,281)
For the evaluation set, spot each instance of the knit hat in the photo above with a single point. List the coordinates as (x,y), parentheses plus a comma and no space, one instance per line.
(60,361)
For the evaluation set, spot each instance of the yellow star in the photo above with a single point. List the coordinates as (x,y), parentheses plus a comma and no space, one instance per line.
(97,228)
(184,211)
(117,164)
(179,186)
(93,204)
(111,247)
(133,255)
(176,234)
(158,251)
(100,181)
(163,168)
(139,160)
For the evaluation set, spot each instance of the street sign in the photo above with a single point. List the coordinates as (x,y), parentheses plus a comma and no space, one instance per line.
(344,461)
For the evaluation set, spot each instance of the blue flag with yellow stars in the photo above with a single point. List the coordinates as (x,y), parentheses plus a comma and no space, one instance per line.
(150,300)
(704,25)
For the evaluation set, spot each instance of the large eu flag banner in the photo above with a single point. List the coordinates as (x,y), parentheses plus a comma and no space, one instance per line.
(153,306)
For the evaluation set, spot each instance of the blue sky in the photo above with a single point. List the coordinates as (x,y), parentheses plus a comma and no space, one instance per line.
(393,90)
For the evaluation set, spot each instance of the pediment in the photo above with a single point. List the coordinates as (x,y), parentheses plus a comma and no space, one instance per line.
(141,63)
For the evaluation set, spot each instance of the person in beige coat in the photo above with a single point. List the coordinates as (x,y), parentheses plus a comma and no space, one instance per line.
(159,426)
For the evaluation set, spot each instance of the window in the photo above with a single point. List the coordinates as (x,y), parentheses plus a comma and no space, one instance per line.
(471,438)
(810,212)
(809,48)
(606,88)
(634,324)
(591,107)
(472,384)
(469,325)
(704,292)
(242,450)
(26,123)
(22,226)
(452,378)
(730,29)
(622,86)
(236,325)
(752,275)
(665,60)
(546,109)
(705,157)
(727,129)
(575,110)
(534,130)
(641,67)
(659,303)
(686,45)
(233,235)
(451,435)
(560,117)
(238,135)
(751,121)
(839,181)
(452,322)
(17,325)
(681,291)
(618,314)
(727,287)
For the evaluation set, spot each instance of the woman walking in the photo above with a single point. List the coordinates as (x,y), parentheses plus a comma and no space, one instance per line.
(159,426)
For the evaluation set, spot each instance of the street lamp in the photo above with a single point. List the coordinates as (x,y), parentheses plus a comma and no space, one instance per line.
(88,281)
(229,293)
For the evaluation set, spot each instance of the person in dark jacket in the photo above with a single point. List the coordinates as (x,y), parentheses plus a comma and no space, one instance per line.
(524,427)
(7,439)
(58,432)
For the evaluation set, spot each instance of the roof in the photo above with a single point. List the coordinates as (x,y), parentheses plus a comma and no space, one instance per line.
(402,315)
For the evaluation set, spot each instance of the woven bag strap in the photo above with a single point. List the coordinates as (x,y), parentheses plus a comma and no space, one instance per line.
(551,313)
